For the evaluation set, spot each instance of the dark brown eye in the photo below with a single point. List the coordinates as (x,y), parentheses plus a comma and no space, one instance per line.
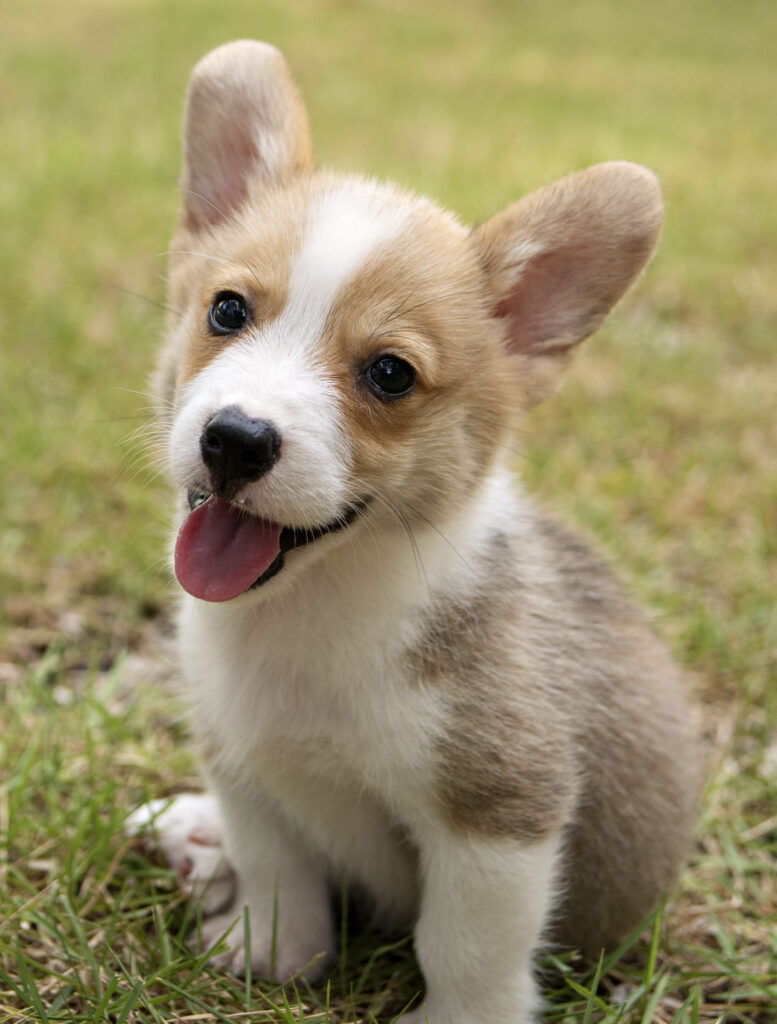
(228,313)
(390,377)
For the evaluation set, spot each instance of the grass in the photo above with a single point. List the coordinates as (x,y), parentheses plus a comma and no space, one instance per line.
(663,445)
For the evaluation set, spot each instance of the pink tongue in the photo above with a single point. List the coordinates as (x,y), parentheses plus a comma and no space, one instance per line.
(220,551)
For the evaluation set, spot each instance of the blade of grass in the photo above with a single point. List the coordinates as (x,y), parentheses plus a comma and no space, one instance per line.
(190,997)
(594,986)
(650,966)
(30,988)
(130,1002)
(343,965)
(247,948)
(274,937)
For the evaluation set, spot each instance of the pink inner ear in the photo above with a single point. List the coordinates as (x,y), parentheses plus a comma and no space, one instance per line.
(550,306)
(219,180)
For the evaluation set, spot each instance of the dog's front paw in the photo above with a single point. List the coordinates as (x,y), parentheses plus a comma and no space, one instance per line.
(274,954)
(187,829)
(516,1004)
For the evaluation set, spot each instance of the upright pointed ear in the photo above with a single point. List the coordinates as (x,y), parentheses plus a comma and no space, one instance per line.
(244,121)
(557,262)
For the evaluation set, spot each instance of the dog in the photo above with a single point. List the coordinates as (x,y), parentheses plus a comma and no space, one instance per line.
(398,670)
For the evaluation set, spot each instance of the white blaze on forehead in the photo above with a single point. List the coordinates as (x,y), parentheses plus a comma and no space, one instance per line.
(345,226)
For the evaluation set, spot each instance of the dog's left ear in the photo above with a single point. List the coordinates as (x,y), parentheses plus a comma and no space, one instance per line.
(558,260)
(244,123)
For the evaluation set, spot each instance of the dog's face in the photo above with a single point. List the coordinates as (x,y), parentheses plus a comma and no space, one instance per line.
(336,357)
(342,351)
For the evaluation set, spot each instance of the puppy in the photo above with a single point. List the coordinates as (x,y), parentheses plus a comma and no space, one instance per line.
(398,670)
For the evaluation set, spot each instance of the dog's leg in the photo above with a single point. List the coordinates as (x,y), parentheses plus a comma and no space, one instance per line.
(281,884)
(188,830)
(483,907)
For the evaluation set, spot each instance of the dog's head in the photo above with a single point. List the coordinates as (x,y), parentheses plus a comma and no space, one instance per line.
(342,350)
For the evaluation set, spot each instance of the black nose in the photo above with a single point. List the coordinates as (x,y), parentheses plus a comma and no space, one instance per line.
(237,449)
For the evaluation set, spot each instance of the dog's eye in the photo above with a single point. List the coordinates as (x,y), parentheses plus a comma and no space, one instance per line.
(390,376)
(228,313)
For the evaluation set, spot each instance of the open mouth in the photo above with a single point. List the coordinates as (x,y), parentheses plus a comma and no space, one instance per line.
(222,551)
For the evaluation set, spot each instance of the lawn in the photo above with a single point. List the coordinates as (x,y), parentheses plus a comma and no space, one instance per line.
(662,446)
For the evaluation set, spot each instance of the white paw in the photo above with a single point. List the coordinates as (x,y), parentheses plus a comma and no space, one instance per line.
(276,958)
(465,1010)
(187,829)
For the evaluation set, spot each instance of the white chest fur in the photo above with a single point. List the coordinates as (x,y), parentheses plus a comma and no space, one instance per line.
(312,683)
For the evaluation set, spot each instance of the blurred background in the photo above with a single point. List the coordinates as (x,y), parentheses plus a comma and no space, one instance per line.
(663,444)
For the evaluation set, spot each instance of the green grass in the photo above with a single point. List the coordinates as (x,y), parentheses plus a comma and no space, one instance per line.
(663,445)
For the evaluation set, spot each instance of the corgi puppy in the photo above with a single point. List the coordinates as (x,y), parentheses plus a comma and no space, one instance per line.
(398,671)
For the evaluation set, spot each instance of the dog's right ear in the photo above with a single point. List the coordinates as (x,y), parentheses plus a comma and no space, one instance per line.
(557,261)
(244,122)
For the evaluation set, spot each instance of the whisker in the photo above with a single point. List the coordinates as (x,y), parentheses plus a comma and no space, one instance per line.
(216,259)
(420,568)
(427,334)
(205,199)
(392,315)
(430,523)
(120,419)
(204,255)
(154,398)
(404,310)
(401,310)
(426,302)
(251,268)
(145,298)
